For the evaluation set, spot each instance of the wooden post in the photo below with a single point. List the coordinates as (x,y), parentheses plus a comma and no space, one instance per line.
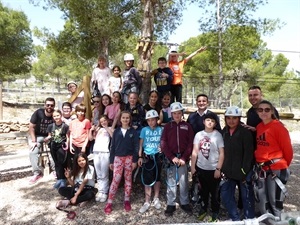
(1,103)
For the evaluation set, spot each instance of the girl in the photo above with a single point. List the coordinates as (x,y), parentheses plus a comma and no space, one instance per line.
(132,80)
(136,110)
(273,155)
(112,111)
(82,181)
(115,82)
(106,101)
(59,138)
(123,156)
(101,135)
(165,112)
(151,167)
(154,103)
(79,130)
(101,75)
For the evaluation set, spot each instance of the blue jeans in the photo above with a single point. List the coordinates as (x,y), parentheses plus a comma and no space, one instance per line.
(228,198)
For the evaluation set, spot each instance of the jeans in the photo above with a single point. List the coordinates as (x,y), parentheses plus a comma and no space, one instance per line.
(34,155)
(228,198)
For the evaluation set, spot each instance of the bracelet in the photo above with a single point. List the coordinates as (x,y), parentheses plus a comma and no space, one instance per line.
(140,157)
(218,169)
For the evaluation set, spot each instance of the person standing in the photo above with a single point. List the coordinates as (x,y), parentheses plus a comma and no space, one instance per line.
(177,68)
(39,122)
(273,155)
(177,145)
(101,75)
(237,165)
(196,118)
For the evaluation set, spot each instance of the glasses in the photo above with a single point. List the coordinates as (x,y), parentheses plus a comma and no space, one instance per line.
(263,109)
(49,105)
(72,86)
(66,109)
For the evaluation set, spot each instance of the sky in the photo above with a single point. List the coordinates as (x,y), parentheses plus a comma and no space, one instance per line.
(286,39)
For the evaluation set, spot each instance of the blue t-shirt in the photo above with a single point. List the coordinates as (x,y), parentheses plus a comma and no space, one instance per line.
(151,139)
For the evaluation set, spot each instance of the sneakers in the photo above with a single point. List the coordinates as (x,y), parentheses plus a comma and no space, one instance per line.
(35,178)
(213,218)
(90,157)
(202,214)
(145,207)
(156,203)
(127,206)
(108,208)
(101,197)
(170,210)
(187,208)
(62,203)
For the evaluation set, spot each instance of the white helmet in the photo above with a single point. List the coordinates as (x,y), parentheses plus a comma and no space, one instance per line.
(128,57)
(233,111)
(176,106)
(151,114)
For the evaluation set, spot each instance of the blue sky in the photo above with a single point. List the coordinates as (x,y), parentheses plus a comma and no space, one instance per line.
(286,39)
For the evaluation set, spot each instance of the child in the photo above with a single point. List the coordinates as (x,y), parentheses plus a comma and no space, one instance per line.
(123,156)
(102,135)
(149,159)
(115,82)
(82,181)
(132,82)
(137,112)
(153,103)
(79,130)
(66,112)
(58,137)
(163,77)
(177,145)
(165,112)
(101,75)
(207,160)
(238,156)
(113,110)
(98,109)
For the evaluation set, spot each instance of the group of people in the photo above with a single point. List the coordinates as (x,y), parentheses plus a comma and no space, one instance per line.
(122,134)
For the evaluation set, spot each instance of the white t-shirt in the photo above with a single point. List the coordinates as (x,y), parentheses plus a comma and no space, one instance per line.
(208,145)
(115,84)
(90,175)
(101,76)
(102,141)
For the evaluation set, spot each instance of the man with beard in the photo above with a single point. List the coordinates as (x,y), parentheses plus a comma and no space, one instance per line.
(39,122)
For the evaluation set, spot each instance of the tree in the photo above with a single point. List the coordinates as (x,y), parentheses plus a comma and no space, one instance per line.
(16,46)
(224,15)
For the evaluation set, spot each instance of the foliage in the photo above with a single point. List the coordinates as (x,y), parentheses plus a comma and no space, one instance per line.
(15,43)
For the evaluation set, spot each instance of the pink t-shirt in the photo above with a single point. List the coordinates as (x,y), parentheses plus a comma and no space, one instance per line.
(79,131)
(112,110)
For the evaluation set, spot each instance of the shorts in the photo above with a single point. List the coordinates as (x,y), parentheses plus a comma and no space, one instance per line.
(151,169)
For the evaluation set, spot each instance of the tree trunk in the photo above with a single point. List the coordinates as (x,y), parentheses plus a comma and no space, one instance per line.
(145,48)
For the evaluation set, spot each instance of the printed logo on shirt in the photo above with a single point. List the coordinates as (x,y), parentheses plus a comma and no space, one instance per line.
(261,140)
(184,127)
(204,146)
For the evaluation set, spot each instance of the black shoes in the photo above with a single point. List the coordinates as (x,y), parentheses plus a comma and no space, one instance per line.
(170,210)
(187,208)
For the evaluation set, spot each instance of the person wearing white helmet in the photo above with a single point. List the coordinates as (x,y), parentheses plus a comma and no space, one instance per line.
(177,145)
(132,80)
(238,159)
(177,68)
(149,160)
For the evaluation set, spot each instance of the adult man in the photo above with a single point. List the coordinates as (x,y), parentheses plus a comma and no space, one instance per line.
(255,97)
(196,118)
(39,122)
(177,68)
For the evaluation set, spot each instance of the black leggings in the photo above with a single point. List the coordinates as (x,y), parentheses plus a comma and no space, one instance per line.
(87,194)
(59,157)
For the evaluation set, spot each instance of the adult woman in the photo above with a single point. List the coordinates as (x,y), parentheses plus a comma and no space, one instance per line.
(273,156)
(101,75)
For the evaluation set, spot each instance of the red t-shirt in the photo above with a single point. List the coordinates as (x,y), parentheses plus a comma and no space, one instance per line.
(273,142)
(79,131)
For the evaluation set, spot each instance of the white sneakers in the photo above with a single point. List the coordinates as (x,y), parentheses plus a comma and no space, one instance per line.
(101,197)
(146,206)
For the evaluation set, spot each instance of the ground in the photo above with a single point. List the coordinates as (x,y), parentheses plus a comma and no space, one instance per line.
(21,203)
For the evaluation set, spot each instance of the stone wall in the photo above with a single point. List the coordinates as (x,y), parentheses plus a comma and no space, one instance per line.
(13,126)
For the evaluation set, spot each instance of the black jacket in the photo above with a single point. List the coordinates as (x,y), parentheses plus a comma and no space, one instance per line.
(238,153)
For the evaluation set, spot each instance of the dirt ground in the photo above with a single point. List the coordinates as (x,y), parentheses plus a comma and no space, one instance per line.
(21,203)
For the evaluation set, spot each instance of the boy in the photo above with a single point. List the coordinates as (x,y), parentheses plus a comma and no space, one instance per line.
(177,145)
(238,156)
(149,159)
(207,160)
(163,77)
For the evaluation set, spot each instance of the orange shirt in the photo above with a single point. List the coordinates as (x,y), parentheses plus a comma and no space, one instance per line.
(79,131)
(177,68)
(273,142)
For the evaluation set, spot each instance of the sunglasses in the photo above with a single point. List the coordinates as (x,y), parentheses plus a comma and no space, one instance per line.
(49,105)
(96,101)
(263,109)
